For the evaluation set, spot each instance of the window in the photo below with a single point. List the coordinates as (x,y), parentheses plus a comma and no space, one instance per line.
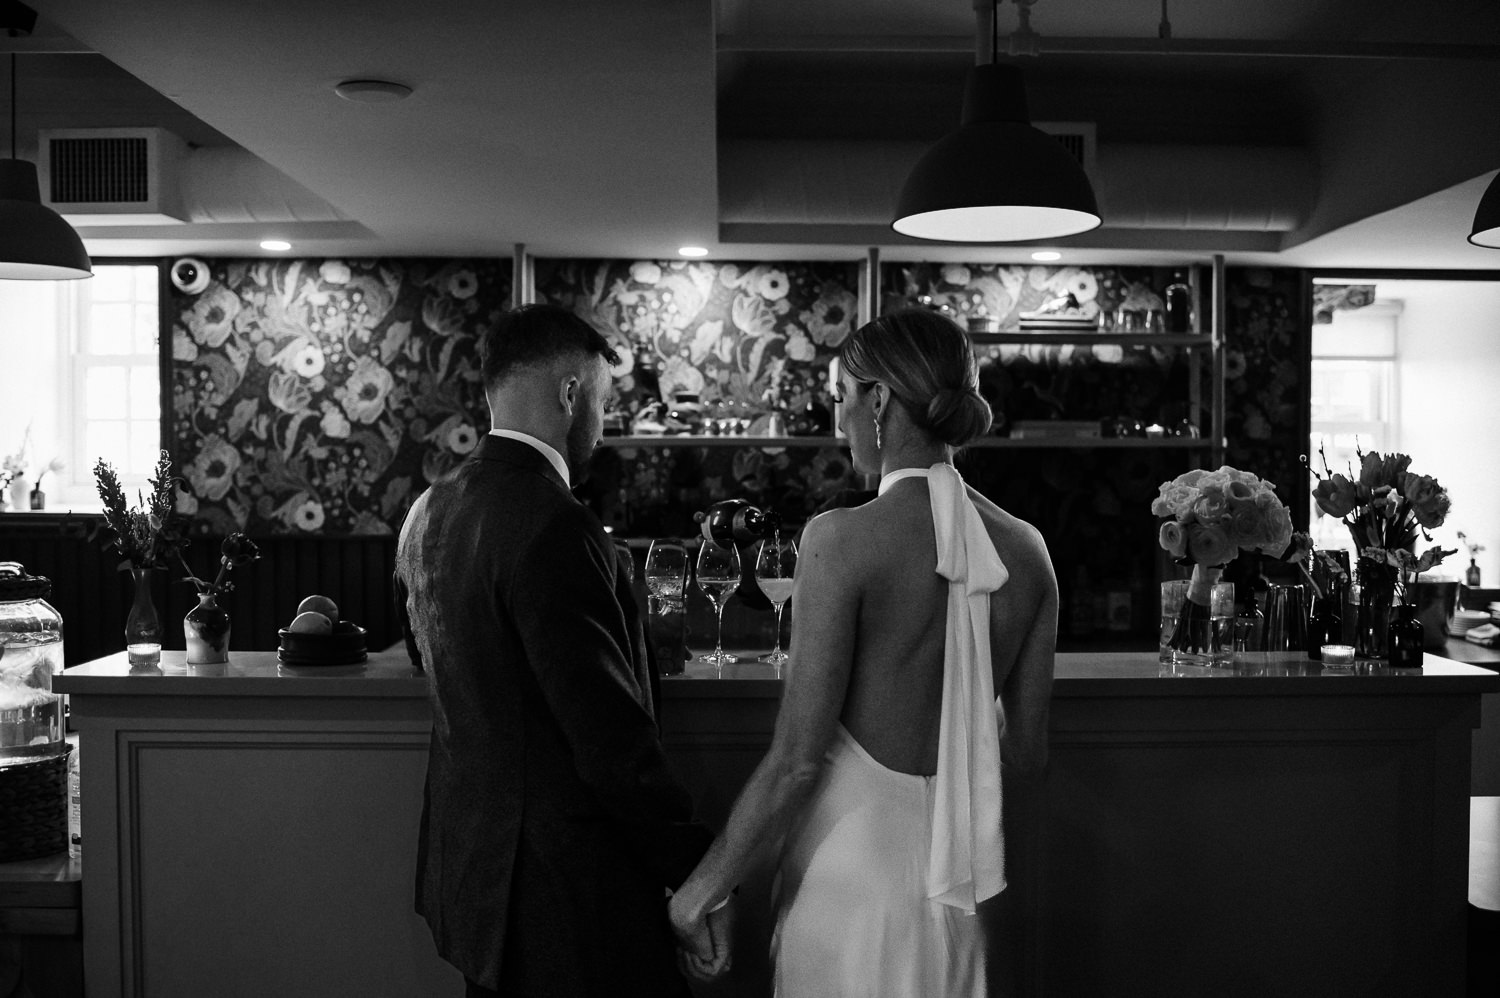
(1353,397)
(115,371)
(92,386)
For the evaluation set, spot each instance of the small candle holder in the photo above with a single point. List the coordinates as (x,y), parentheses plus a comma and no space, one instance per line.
(1338,656)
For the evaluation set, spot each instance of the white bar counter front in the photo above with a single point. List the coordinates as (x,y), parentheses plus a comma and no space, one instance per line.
(250,829)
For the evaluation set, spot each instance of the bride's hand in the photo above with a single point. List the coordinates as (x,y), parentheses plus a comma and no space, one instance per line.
(703,942)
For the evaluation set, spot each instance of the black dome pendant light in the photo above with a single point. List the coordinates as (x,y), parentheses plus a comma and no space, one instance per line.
(36,244)
(1487,217)
(996,178)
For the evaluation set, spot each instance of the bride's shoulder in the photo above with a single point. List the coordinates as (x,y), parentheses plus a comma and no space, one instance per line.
(1012,535)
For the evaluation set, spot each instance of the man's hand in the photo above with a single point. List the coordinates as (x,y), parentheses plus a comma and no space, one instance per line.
(703,943)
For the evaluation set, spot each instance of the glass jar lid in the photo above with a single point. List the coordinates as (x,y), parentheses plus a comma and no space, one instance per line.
(16,585)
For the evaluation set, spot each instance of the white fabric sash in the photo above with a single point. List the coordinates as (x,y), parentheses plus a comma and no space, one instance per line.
(967,856)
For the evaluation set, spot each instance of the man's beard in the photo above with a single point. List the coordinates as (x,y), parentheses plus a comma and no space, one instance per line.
(580,446)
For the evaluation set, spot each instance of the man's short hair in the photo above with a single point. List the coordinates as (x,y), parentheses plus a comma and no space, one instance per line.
(537,334)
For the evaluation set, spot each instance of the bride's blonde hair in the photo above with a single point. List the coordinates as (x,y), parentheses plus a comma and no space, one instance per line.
(927,362)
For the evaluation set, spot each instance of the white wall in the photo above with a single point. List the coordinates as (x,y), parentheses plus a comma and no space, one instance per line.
(1448,404)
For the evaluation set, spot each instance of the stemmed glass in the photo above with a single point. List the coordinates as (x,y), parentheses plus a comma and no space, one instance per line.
(775,565)
(666,571)
(718,575)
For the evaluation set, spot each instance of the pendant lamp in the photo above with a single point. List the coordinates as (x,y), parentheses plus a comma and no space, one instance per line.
(1487,217)
(997,178)
(35,243)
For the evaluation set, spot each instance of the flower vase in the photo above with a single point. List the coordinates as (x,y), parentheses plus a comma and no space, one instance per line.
(142,624)
(1197,619)
(206,629)
(20,493)
(1404,638)
(1377,589)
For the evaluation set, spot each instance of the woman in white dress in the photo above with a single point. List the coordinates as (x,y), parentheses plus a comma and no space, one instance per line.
(884,773)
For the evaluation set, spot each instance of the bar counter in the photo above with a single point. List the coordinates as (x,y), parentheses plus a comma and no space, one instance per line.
(1273,828)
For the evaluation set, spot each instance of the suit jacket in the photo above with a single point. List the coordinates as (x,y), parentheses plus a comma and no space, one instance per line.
(550,821)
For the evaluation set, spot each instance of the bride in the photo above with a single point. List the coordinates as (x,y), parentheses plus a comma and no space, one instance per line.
(884,773)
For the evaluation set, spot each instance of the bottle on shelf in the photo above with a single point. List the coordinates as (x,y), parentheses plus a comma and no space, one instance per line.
(1471,575)
(1179,299)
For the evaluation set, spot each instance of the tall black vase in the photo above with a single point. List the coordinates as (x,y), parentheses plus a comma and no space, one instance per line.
(1404,638)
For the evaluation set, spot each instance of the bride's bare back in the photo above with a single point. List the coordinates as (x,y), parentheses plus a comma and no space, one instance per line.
(882,572)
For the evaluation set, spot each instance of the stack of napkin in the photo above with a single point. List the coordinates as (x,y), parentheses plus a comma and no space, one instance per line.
(1485,634)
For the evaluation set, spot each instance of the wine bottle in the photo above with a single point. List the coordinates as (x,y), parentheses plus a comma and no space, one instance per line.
(1179,305)
(735,521)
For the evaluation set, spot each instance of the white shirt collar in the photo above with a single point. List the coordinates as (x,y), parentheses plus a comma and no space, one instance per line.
(545,449)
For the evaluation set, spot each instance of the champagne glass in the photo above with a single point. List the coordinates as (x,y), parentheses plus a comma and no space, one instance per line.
(718,575)
(775,565)
(666,570)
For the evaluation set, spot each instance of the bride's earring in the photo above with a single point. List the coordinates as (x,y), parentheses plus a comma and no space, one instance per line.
(877,428)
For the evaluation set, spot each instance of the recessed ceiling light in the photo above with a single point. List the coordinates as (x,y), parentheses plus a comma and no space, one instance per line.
(275,245)
(1044,256)
(693,251)
(372,91)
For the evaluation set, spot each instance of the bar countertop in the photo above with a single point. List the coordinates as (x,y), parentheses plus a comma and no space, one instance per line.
(388,673)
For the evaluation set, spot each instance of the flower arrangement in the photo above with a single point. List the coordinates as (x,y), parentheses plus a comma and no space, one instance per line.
(1385,507)
(236,551)
(146,535)
(14,465)
(1208,518)
(1474,546)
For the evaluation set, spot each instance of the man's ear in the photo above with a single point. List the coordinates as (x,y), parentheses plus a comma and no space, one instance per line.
(568,392)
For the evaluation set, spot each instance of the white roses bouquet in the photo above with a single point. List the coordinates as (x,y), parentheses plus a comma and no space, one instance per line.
(1209,517)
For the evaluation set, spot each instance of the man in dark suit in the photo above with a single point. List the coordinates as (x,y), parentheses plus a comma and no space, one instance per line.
(552,829)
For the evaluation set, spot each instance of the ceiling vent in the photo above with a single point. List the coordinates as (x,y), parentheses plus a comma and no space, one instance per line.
(113,176)
(1078,137)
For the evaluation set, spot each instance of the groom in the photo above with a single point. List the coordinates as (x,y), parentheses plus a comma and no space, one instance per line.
(551,828)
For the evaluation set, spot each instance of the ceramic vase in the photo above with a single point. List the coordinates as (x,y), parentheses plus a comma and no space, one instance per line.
(206,630)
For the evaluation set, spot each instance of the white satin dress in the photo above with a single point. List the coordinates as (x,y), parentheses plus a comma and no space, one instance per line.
(881,872)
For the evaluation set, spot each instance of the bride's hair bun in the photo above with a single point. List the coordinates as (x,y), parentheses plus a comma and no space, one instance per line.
(957,416)
(928,362)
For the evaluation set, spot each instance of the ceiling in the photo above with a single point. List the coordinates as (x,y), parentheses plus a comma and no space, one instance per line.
(1320,133)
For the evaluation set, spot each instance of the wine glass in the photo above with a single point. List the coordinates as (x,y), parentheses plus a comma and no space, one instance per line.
(775,565)
(666,570)
(718,575)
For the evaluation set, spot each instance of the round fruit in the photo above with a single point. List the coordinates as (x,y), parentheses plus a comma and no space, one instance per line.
(319,604)
(311,622)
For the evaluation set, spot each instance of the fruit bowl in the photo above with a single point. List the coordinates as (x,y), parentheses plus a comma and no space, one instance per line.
(344,646)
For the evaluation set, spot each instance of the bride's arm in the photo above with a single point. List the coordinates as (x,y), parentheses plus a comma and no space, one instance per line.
(826,597)
(1027,690)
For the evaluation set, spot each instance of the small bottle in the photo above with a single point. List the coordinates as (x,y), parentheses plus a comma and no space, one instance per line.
(1323,627)
(75,812)
(1179,305)
(1471,575)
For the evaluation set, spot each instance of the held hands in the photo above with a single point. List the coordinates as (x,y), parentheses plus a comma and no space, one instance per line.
(703,952)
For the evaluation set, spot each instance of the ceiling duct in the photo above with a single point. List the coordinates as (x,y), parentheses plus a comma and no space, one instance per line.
(112,176)
(149,176)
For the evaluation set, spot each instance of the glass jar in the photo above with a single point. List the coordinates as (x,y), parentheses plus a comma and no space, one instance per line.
(31,653)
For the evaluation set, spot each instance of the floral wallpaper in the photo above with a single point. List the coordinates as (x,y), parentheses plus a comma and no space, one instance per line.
(320,396)
(750,337)
(1267,366)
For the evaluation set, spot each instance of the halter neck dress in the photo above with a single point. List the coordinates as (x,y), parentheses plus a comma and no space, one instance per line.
(881,872)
